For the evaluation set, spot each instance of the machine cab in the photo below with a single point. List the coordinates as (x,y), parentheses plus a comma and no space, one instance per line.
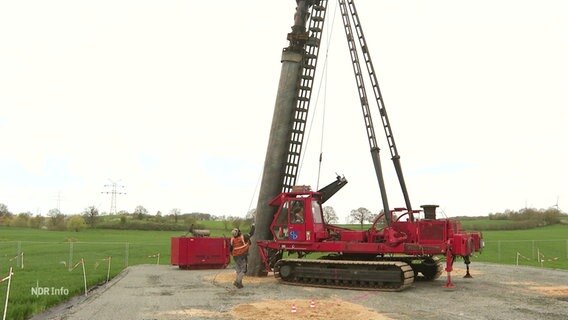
(299,217)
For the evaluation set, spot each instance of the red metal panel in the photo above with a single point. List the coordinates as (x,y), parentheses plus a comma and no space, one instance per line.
(358,236)
(432,230)
(174,251)
(462,244)
(477,241)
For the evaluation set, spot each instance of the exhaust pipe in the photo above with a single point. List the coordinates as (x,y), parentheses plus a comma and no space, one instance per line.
(429,211)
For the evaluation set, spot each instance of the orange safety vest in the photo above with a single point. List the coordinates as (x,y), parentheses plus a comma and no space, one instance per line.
(240,247)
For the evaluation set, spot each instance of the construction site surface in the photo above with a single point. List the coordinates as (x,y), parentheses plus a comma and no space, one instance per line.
(148,292)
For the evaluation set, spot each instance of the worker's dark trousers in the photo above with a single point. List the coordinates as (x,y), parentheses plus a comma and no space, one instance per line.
(240,267)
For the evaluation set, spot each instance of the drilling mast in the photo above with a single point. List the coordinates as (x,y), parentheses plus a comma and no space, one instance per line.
(299,61)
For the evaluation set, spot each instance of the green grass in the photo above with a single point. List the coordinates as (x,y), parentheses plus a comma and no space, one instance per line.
(484,224)
(487,224)
(551,242)
(554,232)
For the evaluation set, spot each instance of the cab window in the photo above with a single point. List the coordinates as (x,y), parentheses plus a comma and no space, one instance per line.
(280,229)
(316,212)
(297,212)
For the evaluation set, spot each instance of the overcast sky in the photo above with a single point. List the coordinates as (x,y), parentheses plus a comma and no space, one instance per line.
(174,101)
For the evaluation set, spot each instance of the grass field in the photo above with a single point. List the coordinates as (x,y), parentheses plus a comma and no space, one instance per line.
(550,243)
(484,224)
(48,256)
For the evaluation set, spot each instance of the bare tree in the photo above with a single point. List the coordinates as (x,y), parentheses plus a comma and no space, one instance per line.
(91,215)
(140,212)
(225,221)
(4,210)
(361,216)
(56,219)
(175,212)
(5,214)
(329,215)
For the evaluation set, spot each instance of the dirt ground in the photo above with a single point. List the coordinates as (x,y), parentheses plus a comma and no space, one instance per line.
(332,308)
(152,292)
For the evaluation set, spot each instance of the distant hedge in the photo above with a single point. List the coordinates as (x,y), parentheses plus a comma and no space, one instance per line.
(512,225)
(141,225)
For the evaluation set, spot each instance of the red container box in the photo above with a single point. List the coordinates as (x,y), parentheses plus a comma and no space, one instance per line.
(200,252)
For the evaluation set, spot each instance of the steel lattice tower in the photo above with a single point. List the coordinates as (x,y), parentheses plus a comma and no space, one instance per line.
(115,189)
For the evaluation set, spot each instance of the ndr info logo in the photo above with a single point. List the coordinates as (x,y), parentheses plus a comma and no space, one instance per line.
(49,291)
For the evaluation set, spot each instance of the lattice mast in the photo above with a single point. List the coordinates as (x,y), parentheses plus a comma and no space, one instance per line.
(299,62)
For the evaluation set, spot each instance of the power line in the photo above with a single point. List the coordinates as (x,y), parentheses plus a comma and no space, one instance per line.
(58,200)
(115,189)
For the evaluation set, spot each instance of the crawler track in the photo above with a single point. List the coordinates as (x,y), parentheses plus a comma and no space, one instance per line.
(346,274)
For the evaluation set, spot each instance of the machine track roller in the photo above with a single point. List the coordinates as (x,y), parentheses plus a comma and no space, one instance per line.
(346,274)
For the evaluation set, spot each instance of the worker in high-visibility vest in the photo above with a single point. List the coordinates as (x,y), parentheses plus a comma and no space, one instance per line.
(239,246)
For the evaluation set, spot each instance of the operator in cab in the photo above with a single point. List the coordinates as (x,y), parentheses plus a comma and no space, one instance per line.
(298,213)
(239,246)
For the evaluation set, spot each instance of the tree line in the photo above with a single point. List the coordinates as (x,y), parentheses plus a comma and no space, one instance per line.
(140,219)
(528,218)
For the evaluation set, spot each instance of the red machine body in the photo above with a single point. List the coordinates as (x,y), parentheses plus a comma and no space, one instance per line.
(200,252)
(409,240)
(399,247)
